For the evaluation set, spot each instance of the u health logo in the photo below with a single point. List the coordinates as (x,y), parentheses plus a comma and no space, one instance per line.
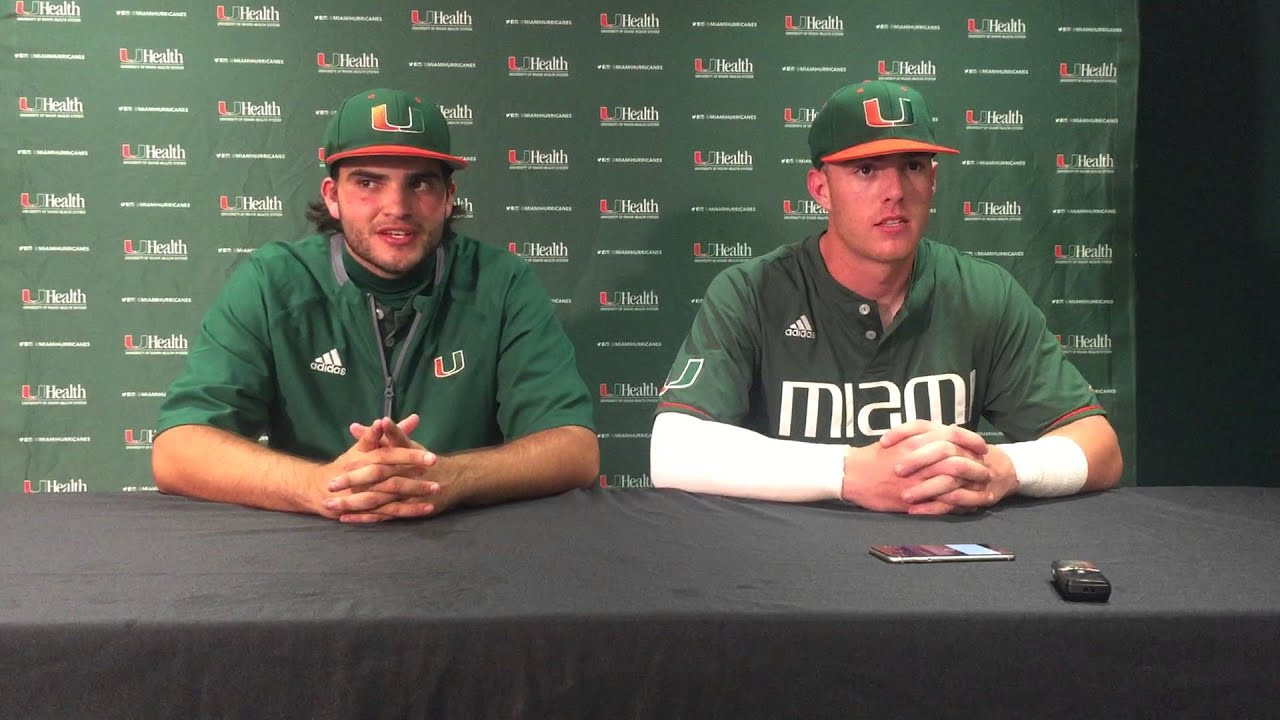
(624,300)
(629,24)
(723,68)
(719,252)
(556,159)
(348,63)
(1083,72)
(628,116)
(987,211)
(150,154)
(46,299)
(907,71)
(803,209)
(73,394)
(171,249)
(535,66)
(736,160)
(139,438)
(149,59)
(798,117)
(996,28)
(992,119)
(628,209)
(51,203)
(248,111)
(50,107)
(249,206)
(46,11)
(267,16)
(813,26)
(448,21)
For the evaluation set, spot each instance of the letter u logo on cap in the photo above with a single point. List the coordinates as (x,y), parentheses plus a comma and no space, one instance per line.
(383,124)
(871,109)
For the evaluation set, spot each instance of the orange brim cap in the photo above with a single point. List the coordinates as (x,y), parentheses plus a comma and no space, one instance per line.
(457,163)
(888,146)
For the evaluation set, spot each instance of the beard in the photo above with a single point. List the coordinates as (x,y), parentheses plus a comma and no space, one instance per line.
(388,260)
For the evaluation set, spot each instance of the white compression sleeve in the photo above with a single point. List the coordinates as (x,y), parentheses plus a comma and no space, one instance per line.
(1049,467)
(703,456)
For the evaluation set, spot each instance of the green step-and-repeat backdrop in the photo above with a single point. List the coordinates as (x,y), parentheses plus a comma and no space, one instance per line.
(629,151)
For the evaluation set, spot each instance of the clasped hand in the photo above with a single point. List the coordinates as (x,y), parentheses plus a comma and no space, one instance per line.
(384,475)
(924,468)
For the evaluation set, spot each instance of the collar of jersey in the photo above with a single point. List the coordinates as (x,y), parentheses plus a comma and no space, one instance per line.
(338,256)
(917,295)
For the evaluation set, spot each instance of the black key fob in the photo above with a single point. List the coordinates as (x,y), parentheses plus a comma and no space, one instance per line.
(1080,580)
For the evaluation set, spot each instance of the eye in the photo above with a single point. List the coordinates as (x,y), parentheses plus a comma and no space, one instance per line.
(864,169)
(365,183)
(426,184)
(915,165)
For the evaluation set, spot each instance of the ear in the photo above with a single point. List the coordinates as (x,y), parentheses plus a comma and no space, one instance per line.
(819,188)
(933,182)
(449,194)
(329,193)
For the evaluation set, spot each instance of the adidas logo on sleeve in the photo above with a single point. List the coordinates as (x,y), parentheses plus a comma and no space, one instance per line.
(330,363)
(801,328)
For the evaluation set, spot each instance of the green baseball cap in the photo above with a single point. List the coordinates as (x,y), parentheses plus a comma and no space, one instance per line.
(389,122)
(871,118)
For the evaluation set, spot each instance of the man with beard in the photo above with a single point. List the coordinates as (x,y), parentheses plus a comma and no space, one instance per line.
(385,313)
(856,364)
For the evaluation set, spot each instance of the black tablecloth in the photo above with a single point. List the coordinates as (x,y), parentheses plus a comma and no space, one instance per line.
(658,604)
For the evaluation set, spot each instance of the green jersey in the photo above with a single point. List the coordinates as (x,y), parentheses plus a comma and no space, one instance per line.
(292,348)
(781,348)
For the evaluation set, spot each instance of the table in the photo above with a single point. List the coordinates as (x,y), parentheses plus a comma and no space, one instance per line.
(636,603)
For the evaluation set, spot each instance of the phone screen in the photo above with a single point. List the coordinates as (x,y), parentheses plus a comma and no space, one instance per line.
(940,553)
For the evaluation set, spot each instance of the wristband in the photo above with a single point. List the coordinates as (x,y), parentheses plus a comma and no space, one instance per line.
(1048,467)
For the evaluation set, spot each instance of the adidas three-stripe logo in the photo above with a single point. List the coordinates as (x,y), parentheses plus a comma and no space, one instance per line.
(801,328)
(330,363)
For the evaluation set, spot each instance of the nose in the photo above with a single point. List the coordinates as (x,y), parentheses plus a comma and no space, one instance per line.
(397,200)
(892,184)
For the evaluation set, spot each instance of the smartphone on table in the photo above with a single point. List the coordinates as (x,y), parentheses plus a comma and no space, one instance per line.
(950,552)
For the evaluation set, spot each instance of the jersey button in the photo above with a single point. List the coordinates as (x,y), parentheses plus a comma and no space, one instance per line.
(864,308)
(389,342)
(871,334)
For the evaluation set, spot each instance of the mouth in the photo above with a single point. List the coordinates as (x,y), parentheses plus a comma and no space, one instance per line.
(397,235)
(894,221)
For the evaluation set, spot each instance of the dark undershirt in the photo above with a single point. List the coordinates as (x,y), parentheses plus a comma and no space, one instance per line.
(392,295)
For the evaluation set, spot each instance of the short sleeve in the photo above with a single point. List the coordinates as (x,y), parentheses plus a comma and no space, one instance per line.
(228,381)
(716,367)
(539,386)
(1034,388)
